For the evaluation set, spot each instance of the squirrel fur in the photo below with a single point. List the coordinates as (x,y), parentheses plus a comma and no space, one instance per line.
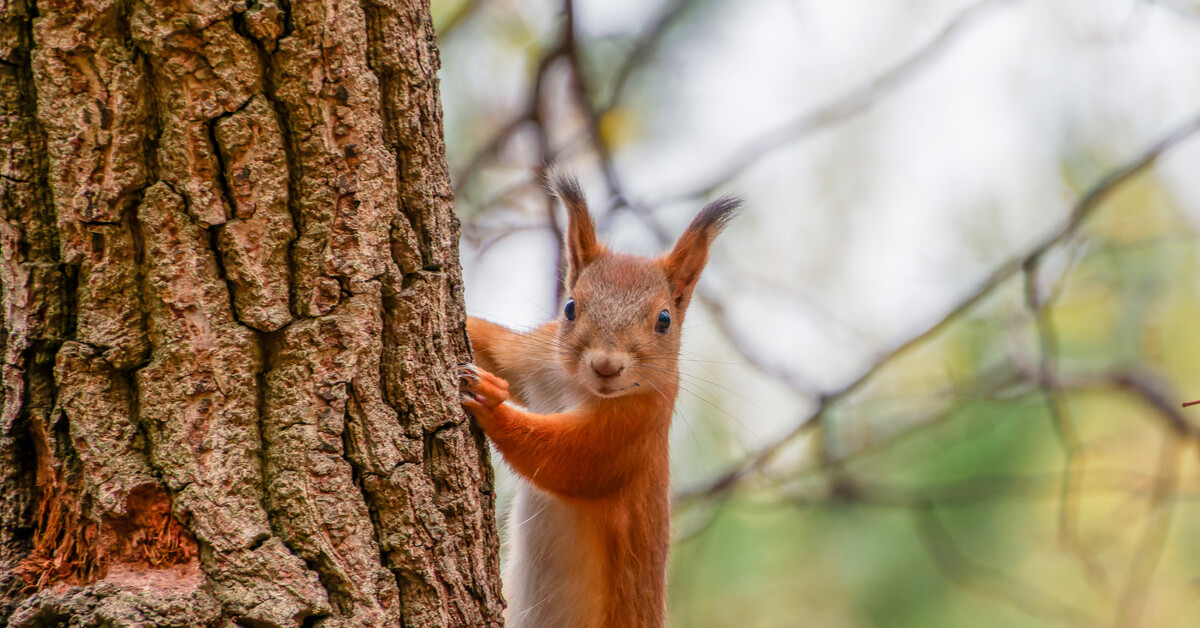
(591,523)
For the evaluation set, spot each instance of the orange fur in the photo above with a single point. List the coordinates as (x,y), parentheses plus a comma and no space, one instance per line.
(591,539)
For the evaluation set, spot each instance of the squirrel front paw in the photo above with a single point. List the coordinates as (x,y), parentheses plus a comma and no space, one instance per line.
(481,392)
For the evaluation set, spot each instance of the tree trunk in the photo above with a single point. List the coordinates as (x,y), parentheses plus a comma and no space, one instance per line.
(232,312)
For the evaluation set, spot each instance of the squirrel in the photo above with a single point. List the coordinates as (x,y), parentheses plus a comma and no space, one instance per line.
(591,526)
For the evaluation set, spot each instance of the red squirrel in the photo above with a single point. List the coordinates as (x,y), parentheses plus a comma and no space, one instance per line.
(591,526)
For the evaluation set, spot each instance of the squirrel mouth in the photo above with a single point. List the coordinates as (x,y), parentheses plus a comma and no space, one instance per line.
(605,391)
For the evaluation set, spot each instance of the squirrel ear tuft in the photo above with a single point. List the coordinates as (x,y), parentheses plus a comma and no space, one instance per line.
(686,261)
(582,245)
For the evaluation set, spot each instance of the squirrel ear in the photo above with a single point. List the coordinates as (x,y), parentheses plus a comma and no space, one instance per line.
(686,261)
(582,245)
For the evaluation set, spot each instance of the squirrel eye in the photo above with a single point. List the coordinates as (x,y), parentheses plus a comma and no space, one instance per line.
(569,310)
(664,321)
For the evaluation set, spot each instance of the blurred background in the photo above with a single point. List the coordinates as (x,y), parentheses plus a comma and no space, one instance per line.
(934,376)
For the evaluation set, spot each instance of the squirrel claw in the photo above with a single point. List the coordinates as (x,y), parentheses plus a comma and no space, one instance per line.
(468,372)
(481,390)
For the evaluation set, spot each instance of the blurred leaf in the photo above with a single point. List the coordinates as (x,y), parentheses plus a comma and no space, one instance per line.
(618,126)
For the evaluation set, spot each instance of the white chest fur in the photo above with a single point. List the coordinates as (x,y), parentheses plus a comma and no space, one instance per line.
(550,567)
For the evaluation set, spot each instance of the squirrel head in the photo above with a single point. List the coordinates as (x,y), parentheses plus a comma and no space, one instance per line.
(619,328)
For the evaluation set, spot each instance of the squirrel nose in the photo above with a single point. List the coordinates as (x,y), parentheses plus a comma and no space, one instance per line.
(607,367)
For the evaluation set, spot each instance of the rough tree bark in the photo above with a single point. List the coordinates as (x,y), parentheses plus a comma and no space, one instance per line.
(232,311)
